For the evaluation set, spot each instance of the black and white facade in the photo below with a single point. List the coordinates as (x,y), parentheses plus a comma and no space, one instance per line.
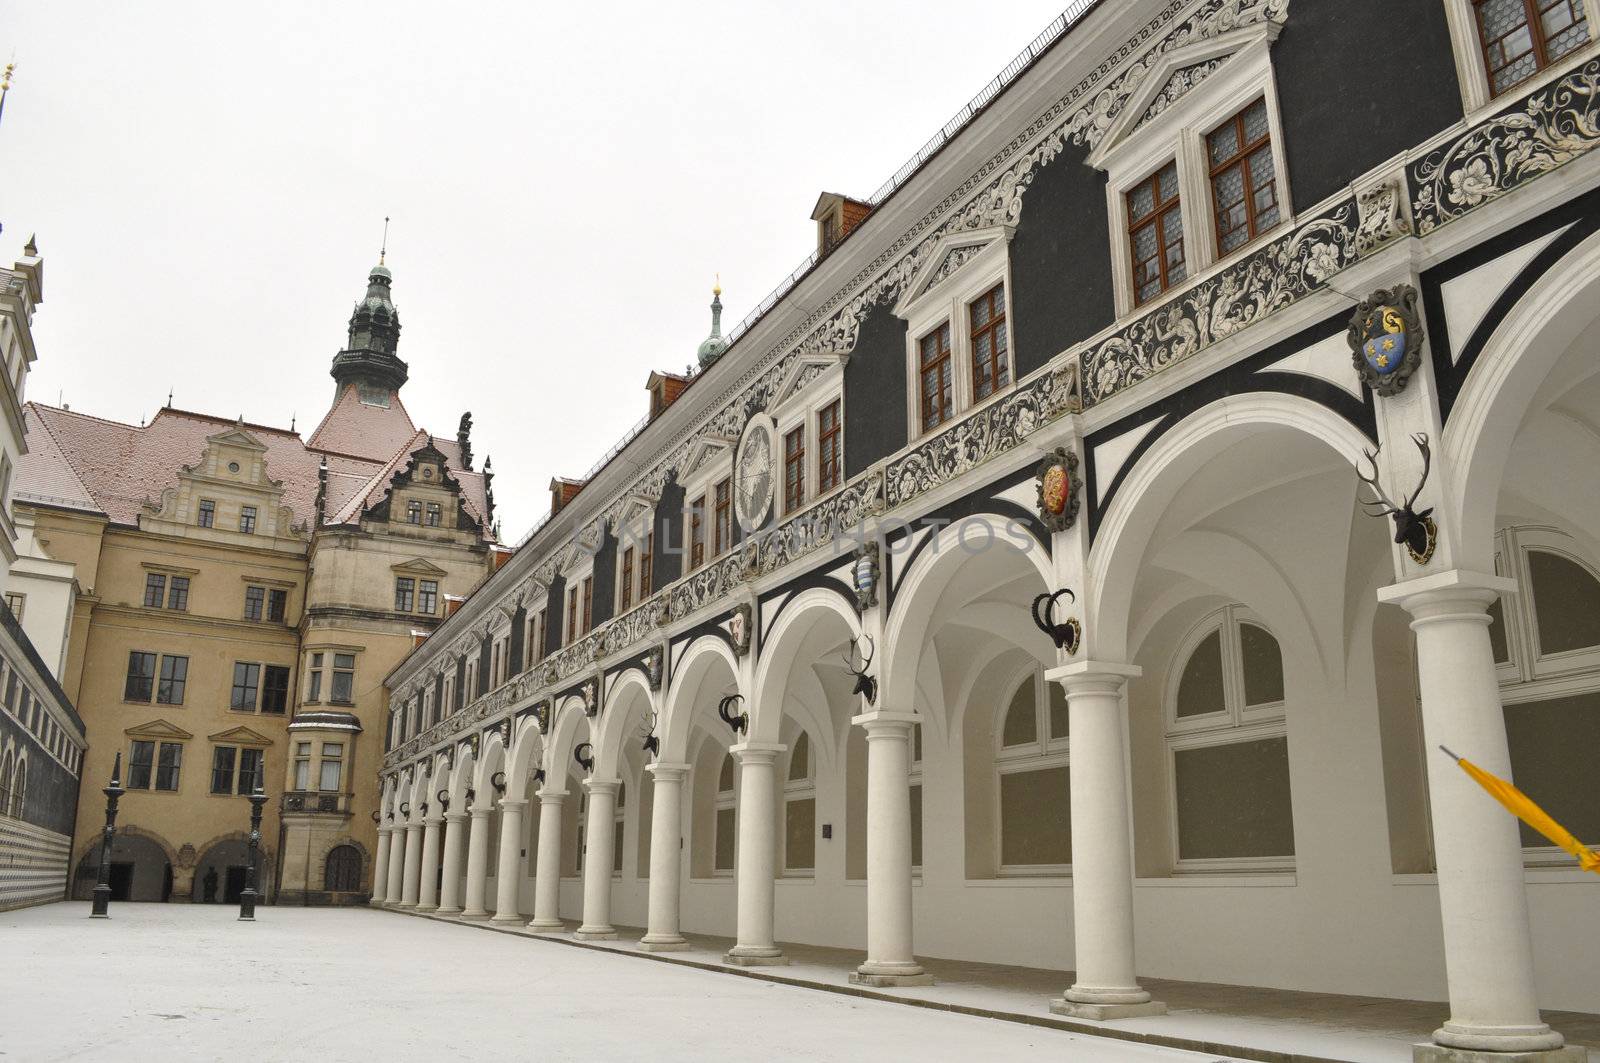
(1129,332)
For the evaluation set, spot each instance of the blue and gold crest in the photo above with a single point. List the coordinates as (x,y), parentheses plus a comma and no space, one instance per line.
(1386,339)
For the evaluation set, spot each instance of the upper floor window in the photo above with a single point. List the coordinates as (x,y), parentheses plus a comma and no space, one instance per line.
(154,765)
(331,767)
(255,602)
(937,404)
(647,558)
(1521,37)
(207,515)
(794,469)
(625,590)
(830,448)
(572,612)
(404,592)
(246,686)
(1155,232)
(314,680)
(225,779)
(277,604)
(174,680)
(155,590)
(1243,192)
(588,604)
(428,596)
(722,516)
(16,602)
(302,765)
(435,515)
(991,363)
(344,678)
(414,512)
(247,519)
(697,533)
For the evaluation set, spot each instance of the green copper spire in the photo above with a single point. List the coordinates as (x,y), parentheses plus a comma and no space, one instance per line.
(714,344)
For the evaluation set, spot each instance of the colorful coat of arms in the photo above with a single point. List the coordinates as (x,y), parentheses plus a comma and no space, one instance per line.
(1386,339)
(1057,479)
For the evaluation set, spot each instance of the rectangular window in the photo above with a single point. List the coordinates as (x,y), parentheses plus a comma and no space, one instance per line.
(428,597)
(344,677)
(174,677)
(435,515)
(413,512)
(155,590)
(250,767)
(246,684)
(222,758)
(588,603)
(140,683)
(625,601)
(332,752)
(277,605)
(302,765)
(1155,232)
(1522,37)
(1244,195)
(933,370)
(722,517)
(991,361)
(178,595)
(647,558)
(800,834)
(16,602)
(830,451)
(697,533)
(794,469)
(1233,800)
(722,859)
(314,685)
(275,689)
(572,613)
(208,513)
(404,591)
(168,763)
(141,765)
(247,519)
(255,602)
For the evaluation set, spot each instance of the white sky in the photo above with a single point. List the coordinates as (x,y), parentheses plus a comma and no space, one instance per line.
(208,183)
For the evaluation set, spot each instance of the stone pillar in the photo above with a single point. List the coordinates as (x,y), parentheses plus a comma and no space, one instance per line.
(1102,847)
(666,860)
(1488,950)
(757,857)
(380,871)
(506,878)
(397,863)
(547,873)
(600,828)
(454,842)
(428,887)
(890,959)
(478,863)
(413,869)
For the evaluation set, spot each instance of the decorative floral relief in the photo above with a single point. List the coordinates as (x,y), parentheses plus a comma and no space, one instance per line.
(1546,129)
(815,528)
(633,626)
(1178,85)
(991,431)
(1279,274)
(705,586)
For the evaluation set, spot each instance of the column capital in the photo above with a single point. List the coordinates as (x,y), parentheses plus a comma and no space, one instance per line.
(517,803)
(480,810)
(668,772)
(887,723)
(601,786)
(552,797)
(756,752)
(1441,594)
(432,820)
(384,828)
(456,817)
(415,824)
(1091,676)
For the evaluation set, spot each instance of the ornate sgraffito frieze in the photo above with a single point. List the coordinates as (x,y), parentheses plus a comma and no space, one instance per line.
(1384,214)
(815,528)
(1178,85)
(991,431)
(633,626)
(1545,129)
(1279,274)
(705,586)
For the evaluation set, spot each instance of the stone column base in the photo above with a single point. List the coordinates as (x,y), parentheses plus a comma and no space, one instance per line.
(883,981)
(663,945)
(545,926)
(1431,1053)
(447,911)
(474,915)
(508,920)
(753,956)
(427,908)
(595,933)
(1072,1009)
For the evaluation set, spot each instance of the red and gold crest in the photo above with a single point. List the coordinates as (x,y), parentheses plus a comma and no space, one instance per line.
(1057,479)
(1055,489)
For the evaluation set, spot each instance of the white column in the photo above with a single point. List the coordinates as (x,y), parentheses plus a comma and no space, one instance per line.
(397,863)
(428,884)
(666,860)
(1488,952)
(454,843)
(890,958)
(380,871)
(1104,985)
(478,862)
(413,868)
(547,873)
(600,826)
(506,878)
(757,857)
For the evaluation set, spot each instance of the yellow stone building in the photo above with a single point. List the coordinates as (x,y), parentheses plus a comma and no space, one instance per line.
(240,595)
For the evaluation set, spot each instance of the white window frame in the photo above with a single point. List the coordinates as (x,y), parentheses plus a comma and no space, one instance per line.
(1044,752)
(1129,157)
(574,582)
(725,800)
(1477,101)
(803,789)
(804,408)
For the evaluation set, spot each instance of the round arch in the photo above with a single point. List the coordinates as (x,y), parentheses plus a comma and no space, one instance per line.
(491,758)
(628,702)
(527,747)
(707,665)
(803,619)
(571,727)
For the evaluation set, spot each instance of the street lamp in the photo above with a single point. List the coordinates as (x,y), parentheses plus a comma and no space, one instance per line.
(102,888)
(247,899)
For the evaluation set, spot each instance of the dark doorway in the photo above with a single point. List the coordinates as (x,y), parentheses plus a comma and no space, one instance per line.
(121,881)
(234,885)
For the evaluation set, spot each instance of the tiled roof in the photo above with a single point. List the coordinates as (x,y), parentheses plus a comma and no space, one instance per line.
(84,462)
(363,430)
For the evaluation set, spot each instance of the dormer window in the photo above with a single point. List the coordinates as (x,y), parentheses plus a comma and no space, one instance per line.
(836,217)
(435,515)
(207,516)
(247,519)
(413,512)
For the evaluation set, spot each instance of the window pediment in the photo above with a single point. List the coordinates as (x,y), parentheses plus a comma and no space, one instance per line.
(802,375)
(419,566)
(705,450)
(241,736)
(159,729)
(950,258)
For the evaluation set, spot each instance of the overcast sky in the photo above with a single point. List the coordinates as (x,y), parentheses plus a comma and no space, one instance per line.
(208,183)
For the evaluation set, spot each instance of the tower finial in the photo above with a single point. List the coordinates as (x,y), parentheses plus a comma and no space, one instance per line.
(716,289)
(383,250)
(5,81)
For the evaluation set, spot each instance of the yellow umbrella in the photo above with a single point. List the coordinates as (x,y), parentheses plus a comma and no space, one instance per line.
(1522,806)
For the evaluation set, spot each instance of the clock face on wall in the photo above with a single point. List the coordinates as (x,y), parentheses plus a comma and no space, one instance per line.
(753,472)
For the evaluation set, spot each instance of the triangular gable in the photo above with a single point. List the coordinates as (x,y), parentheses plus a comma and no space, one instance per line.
(158,729)
(241,736)
(949,255)
(704,450)
(237,437)
(802,373)
(420,566)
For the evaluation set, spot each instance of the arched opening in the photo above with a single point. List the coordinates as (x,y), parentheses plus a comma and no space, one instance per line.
(222,871)
(341,870)
(141,870)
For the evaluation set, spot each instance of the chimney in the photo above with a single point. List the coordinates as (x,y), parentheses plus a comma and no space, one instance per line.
(452,602)
(500,555)
(836,217)
(563,491)
(664,390)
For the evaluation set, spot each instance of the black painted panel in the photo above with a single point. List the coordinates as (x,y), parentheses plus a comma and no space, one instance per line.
(519,627)
(875,391)
(553,619)
(483,665)
(668,562)
(461,681)
(605,580)
(1360,81)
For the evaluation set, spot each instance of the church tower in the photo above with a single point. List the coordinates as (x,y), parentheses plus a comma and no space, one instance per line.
(369,361)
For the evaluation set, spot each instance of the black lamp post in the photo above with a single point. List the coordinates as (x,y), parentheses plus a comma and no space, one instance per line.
(247,898)
(102,888)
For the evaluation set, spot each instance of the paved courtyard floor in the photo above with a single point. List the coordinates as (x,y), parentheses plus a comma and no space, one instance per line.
(190,982)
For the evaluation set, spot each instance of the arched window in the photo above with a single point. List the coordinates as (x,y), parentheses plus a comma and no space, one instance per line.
(617,828)
(341,872)
(6,767)
(19,787)
(726,825)
(799,810)
(1546,642)
(1035,835)
(1228,748)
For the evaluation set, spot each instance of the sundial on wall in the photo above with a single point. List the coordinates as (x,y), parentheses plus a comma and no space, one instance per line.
(752,471)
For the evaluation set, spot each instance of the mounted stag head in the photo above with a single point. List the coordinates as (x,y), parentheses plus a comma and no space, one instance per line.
(1064,633)
(1415,531)
(585,759)
(652,744)
(866,685)
(538,775)
(737,722)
